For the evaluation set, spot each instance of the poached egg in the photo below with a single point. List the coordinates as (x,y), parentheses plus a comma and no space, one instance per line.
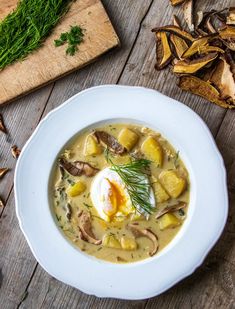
(111,198)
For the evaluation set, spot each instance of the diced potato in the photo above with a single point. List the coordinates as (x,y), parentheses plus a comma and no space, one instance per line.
(128,243)
(168,221)
(91,147)
(152,150)
(128,138)
(172,182)
(160,193)
(78,188)
(111,241)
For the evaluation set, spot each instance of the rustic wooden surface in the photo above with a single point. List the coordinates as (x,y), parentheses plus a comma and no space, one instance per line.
(49,63)
(23,283)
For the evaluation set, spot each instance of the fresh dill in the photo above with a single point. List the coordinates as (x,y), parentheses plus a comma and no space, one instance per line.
(74,37)
(87,205)
(25,29)
(176,159)
(135,177)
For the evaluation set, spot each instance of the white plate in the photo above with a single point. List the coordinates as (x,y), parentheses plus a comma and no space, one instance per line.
(208,200)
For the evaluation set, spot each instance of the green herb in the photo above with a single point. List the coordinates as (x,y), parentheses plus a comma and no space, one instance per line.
(74,37)
(58,217)
(176,159)
(24,30)
(181,212)
(87,205)
(70,181)
(135,177)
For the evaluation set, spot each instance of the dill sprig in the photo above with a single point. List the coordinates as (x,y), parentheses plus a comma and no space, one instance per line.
(135,177)
(74,38)
(24,30)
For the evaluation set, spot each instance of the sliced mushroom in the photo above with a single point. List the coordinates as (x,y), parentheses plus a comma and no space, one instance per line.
(179,44)
(231,60)
(163,50)
(198,43)
(85,227)
(109,141)
(231,16)
(175,30)
(138,232)
(227,33)
(223,79)
(210,49)
(3,171)
(2,125)
(192,66)
(188,14)
(170,208)
(203,89)
(78,168)
(176,21)
(176,2)
(1,204)
(68,211)
(15,151)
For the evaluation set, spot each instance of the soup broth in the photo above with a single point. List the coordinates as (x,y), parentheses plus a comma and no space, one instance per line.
(120,192)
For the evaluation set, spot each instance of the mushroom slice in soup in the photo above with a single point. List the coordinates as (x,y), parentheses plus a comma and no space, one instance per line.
(139,232)
(109,141)
(78,168)
(170,208)
(85,228)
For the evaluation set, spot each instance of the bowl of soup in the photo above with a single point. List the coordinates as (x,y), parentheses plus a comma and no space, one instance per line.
(121,192)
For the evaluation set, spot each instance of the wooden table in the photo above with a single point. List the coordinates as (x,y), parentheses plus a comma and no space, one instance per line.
(23,283)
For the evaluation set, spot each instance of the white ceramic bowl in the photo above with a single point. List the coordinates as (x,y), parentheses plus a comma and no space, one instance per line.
(208,201)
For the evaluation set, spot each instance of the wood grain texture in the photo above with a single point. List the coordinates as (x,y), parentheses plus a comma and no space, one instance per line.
(213,284)
(23,118)
(49,63)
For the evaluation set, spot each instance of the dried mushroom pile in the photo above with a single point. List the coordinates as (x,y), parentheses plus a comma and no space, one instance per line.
(15,151)
(204,56)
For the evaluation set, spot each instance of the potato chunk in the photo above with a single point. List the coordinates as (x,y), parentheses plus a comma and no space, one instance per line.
(160,193)
(172,182)
(76,189)
(128,243)
(111,241)
(168,221)
(152,150)
(128,138)
(91,147)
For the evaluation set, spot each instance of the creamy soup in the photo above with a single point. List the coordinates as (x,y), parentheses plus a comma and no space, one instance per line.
(120,192)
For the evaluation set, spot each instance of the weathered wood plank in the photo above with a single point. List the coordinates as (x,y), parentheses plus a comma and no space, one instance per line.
(213,284)
(108,69)
(20,119)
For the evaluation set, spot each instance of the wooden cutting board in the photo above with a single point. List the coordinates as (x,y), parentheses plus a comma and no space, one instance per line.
(49,62)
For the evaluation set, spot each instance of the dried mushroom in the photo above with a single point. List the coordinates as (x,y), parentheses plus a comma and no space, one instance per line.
(3,171)
(2,125)
(85,228)
(203,89)
(110,142)
(231,16)
(176,2)
(1,204)
(138,232)
(222,78)
(78,168)
(191,66)
(208,55)
(170,208)
(163,50)
(15,151)
(175,30)
(188,13)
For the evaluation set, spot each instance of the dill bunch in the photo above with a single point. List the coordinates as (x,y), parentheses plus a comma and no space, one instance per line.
(135,177)
(24,30)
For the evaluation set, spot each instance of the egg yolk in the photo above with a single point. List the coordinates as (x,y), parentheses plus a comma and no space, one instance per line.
(115,197)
